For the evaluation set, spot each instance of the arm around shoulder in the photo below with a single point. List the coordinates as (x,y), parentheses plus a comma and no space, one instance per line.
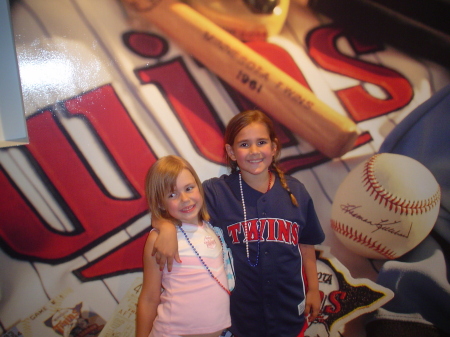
(165,248)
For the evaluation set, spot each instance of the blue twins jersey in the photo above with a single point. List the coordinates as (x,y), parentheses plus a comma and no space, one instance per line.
(268,299)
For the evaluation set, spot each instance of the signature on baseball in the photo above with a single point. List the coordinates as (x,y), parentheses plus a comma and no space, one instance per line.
(384,225)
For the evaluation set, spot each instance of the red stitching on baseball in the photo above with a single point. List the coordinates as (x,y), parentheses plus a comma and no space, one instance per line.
(353,235)
(395,203)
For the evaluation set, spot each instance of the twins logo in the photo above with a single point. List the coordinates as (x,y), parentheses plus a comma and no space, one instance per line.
(273,230)
(75,210)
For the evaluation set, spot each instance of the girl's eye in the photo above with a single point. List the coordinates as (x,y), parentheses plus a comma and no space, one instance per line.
(189,188)
(243,145)
(171,195)
(262,142)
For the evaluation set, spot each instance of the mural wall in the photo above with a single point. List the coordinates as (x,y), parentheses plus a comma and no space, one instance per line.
(106,94)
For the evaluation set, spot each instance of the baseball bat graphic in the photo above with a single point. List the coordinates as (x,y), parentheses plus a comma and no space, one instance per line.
(251,74)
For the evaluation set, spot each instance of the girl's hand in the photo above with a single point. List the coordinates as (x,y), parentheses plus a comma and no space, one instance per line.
(312,302)
(165,248)
(312,306)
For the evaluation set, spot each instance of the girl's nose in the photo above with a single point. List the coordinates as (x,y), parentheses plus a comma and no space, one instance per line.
(184,196)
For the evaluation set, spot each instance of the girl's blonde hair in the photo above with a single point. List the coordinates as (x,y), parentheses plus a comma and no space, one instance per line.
(240,121)
(161,179)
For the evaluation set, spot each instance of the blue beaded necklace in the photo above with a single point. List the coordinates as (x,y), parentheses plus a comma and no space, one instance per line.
(203,262)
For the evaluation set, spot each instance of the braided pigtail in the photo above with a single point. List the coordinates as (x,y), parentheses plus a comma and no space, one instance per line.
(284,183)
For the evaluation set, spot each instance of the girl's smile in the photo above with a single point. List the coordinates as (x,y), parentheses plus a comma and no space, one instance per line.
(252,150)
(187,209)
(185,201)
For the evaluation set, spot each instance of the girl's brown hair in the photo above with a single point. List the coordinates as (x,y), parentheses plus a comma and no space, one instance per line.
(161,179)
(240,121)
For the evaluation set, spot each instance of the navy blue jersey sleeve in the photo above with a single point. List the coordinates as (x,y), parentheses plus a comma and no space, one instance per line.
(313,233)
(211,199)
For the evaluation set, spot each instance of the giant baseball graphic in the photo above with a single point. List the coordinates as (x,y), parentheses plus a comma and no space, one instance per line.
(106,95)
(385,206)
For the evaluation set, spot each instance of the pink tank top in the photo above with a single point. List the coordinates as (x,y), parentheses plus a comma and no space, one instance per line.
(192,302)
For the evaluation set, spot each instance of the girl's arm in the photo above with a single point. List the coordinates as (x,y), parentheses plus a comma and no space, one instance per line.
(165,248)
(149,297)
(312,304)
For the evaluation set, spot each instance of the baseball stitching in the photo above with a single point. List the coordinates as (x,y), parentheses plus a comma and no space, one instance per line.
(364,240)
(395,203)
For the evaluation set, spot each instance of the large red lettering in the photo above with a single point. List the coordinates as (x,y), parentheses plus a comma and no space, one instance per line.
(127,258)
(359,103)
(94,213)
(194,111)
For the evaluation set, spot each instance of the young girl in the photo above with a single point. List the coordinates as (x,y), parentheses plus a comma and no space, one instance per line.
(271,227)
(195,296)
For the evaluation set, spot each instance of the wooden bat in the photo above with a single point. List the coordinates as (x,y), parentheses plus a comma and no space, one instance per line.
(251,74)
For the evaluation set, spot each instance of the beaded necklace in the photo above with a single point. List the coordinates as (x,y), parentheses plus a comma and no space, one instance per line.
(203,262)
(258,224)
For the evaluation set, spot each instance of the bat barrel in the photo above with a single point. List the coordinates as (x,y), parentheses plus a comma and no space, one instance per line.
(255,77)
